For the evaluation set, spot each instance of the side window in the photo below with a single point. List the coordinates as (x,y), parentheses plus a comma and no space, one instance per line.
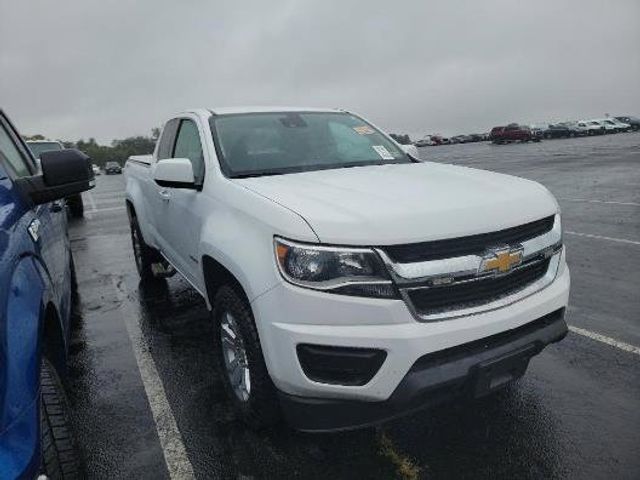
(188,146)
(11,155)
(165,146)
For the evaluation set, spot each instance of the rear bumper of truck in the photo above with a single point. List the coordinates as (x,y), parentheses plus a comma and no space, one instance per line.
(472,369)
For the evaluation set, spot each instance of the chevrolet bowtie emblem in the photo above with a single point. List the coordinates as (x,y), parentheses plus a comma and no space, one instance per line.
(501,260)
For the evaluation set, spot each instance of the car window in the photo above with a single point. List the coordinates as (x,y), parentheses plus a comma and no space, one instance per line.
(11,155)
(188,146)
(165,145)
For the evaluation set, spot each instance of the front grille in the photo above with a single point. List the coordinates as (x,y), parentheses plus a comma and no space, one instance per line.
(471,245)
(431,300)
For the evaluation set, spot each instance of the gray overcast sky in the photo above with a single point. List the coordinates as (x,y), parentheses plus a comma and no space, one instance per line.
(110,68)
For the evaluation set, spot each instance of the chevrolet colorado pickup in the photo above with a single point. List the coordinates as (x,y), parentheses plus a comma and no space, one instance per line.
(349,282)
(36,282)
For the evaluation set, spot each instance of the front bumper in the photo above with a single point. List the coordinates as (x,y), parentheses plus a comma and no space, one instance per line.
(435,378)
(287,316)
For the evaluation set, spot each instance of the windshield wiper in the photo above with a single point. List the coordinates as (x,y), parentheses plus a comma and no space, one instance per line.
(264,173)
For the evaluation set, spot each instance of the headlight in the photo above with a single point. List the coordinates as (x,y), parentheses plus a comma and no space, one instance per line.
(348,271)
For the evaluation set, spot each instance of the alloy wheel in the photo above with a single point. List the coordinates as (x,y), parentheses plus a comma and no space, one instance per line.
(235,357)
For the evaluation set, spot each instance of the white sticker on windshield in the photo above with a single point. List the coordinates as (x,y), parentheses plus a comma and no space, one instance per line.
(383,152)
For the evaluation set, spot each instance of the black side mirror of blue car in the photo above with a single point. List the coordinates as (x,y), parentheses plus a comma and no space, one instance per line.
(64,173)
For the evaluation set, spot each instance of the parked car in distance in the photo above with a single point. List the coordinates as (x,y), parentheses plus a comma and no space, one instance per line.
(577,129)
(425,142)
(562,130)
(592,127)
(460,139)
(597,127)
(112,168)
(349,283)
(538,130)
(607,127)
(634,122)
(620,127)
(96,169)
(512,133)
(38,147)
(36,282)
(477,137)
(440,140)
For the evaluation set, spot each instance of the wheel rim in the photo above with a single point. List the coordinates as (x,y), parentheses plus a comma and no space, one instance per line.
(235,357)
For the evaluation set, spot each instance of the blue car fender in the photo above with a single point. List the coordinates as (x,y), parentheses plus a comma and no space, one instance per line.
(25,304)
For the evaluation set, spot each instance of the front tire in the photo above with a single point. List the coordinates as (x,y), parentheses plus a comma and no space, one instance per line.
(240,361)
(60,457)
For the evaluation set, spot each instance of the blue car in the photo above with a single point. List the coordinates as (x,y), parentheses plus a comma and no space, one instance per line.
(36,276)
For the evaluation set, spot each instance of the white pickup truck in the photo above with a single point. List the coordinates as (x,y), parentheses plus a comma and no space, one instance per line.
(349,282)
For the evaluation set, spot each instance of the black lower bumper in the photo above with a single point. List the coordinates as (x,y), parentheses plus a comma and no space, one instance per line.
(475,368)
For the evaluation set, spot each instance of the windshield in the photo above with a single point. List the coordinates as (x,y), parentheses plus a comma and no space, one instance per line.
(255,144)
(38,148)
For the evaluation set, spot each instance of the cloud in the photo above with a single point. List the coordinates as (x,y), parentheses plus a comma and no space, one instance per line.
(110,69)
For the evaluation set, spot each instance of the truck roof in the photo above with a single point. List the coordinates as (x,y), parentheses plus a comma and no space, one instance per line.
(263,109)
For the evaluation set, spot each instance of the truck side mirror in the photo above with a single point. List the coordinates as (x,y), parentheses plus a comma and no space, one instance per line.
(174,173)
(412,151)
(64,173)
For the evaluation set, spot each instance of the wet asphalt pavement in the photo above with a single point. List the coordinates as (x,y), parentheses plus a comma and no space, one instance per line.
(575,414)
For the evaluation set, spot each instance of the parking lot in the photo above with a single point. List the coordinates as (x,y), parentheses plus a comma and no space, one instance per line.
(148,404)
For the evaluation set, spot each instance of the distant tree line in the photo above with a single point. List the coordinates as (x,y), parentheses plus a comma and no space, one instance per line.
(402,139)
(118,151)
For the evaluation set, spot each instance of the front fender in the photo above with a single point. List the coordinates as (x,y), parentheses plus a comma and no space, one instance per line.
(238,233)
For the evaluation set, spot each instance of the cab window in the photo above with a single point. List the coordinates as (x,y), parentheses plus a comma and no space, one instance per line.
(188,146)
(165,144)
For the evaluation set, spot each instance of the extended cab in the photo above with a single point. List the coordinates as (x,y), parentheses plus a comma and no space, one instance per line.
(349,282)
(36,278)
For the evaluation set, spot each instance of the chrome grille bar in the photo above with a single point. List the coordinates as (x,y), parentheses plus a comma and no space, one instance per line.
(451,272)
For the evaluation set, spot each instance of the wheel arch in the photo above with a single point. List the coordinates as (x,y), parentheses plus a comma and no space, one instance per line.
(216,275)
(131,209)
(53,339)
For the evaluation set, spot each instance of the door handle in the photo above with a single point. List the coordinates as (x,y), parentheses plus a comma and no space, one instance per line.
(56,206)
(165,195)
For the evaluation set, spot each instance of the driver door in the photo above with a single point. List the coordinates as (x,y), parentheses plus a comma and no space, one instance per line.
(182,208)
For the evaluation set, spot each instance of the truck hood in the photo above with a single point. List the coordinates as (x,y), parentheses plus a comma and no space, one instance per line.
(392,204)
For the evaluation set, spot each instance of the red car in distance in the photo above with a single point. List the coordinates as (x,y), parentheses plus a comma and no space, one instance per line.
(512,133)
